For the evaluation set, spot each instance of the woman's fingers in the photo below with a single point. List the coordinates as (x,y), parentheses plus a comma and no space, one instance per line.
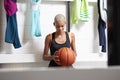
(56,58)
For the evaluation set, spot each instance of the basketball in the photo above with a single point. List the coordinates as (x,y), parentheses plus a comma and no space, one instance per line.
(66,56)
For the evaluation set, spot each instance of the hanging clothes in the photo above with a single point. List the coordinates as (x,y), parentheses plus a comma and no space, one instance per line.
(102,22)
(11,35)
(35,26)
(75,11)
(79,11)
(102,36)
(10,7)
(84,15)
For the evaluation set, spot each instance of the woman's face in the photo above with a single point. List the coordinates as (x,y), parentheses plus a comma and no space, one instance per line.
(59,25)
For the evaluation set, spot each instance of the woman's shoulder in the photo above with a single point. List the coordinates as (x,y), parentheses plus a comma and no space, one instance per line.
(71,34)
(49,36)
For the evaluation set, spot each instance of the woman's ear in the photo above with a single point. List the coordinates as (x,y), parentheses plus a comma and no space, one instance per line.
(65,22)
(54,23)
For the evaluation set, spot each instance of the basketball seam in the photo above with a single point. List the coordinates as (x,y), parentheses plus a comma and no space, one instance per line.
(60,58)
(67,57)
(74,56)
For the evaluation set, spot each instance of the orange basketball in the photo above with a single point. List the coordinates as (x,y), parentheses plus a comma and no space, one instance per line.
(66,56)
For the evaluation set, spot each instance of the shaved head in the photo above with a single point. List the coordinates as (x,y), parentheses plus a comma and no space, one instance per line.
(59,17)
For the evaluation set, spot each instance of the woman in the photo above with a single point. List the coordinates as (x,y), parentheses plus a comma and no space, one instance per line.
(57,40)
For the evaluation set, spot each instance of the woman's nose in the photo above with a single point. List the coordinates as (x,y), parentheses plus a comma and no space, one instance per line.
(60,28)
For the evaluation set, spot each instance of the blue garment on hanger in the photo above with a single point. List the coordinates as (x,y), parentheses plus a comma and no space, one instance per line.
(35,26)
(102,37)
(11,35)
(102,11)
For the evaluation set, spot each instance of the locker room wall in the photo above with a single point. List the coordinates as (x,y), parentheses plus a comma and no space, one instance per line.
(87,43)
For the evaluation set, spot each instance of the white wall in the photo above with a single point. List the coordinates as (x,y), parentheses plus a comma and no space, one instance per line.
(87,43)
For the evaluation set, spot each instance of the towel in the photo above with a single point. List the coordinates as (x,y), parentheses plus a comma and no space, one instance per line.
(79,11)
(75,11)
(84,15)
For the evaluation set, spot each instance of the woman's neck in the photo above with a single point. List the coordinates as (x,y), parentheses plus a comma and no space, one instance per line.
(60,33)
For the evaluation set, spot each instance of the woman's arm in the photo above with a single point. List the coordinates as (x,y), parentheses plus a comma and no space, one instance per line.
(47,56)
(72,41)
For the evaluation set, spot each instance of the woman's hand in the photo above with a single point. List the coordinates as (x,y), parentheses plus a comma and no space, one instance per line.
(56,58)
